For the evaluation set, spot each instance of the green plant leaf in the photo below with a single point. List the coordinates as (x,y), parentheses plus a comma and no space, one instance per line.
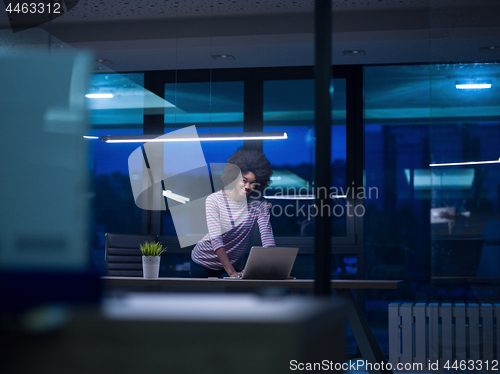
(152,249)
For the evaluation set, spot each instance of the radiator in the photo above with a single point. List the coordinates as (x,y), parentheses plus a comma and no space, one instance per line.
(443,332)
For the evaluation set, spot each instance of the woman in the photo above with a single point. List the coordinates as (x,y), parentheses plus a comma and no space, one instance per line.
(231,215)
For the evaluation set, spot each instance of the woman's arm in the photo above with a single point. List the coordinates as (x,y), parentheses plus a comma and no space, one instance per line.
(213,222)
(215,232)
(224,259)
(266,231)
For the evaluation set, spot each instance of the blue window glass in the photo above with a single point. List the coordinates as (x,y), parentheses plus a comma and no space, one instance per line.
(213,107)
(114,208)
(126,106)
(289,106)
(427,222)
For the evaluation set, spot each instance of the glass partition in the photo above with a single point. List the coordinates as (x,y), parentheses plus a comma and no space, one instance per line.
(429,146)
(116,108)
(213,107)
(118,100)
(397,131)
(463,178)
(289,106)
(424,135)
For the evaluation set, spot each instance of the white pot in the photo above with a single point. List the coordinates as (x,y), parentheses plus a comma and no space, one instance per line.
(150,266)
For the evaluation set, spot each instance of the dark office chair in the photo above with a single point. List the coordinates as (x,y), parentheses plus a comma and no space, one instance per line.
(123,256)
(489,264)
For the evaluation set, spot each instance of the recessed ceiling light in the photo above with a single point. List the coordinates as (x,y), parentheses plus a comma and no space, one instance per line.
(354,52)
(490,48)
(223,57)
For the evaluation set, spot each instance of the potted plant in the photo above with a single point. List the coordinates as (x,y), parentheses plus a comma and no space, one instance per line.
(151,252)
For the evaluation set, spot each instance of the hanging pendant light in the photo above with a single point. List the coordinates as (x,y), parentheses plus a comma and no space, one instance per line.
(195,137)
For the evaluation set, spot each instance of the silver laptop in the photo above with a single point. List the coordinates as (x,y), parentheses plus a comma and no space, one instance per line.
(270,263)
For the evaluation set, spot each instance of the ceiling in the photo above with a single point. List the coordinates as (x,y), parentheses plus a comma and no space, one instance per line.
(156,35)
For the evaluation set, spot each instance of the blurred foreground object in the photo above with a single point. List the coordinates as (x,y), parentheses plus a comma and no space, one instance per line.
(44,246)
(195,333)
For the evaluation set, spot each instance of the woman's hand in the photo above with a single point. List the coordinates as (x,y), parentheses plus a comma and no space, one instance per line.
(228,267)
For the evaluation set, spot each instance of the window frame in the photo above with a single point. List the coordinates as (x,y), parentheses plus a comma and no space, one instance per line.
(253,80)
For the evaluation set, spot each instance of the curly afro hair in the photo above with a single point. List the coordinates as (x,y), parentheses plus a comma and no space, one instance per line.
(249,160)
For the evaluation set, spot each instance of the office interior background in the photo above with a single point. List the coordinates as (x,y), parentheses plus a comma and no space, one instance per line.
(241,66)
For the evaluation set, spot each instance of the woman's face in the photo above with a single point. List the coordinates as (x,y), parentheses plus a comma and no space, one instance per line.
(246,184)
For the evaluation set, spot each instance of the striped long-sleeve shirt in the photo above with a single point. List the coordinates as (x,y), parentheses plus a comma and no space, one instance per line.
(230,225)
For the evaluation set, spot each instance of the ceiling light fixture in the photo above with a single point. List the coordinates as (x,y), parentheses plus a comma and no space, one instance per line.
(473,84)
(223,57)
(300,197)
(90,137)
(104,61)
(489,48)
(354,52)
(194,137)
(467,163)
(99,96)
(290,197)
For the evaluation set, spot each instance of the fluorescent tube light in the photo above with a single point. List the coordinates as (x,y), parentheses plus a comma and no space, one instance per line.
(90,137)
(473,84)
(290,197)
(467,163)
(176,197)
(300,197)
(99,96)
(194,137)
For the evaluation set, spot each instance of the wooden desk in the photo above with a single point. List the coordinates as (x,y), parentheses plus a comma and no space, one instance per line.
(337,284)
(367,344)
